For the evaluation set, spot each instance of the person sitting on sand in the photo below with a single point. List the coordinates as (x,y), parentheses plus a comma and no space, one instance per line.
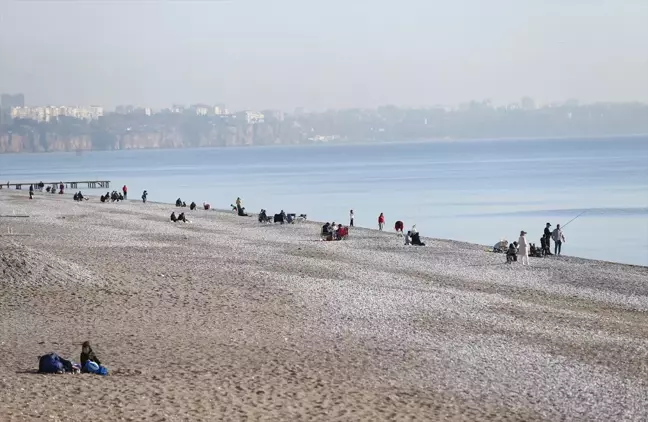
(182,218)
(398,227)
(408,238)
(416,237)
(206,206)
(511,254)
(87,354)
(178,202)
(333,231)
(192,206)
(263,216)
(325,229)
(173,217)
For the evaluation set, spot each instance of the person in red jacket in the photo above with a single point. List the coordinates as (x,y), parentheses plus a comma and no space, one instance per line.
(125,190)
(381,221)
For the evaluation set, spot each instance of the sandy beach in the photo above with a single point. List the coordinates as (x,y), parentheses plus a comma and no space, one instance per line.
(228,319)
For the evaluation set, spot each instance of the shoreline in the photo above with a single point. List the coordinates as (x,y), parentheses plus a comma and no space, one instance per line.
(228,318)
(635,136)
(319,224)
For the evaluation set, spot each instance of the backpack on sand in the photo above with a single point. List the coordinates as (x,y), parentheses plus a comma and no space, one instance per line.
(52,363)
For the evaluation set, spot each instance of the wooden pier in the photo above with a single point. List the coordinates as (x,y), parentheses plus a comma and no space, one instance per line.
(89,184)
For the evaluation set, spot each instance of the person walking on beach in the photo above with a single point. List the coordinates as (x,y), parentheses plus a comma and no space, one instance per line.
(381,221)
(144,195)
(61,187)
(351,217)
(558,238)
(125,191)
(31,191)
(547,239)
(523,248)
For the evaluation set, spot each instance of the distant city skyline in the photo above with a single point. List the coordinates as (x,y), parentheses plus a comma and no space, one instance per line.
(12,100)
(283,54)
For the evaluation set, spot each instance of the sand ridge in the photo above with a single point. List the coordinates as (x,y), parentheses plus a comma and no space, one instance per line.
(228,319)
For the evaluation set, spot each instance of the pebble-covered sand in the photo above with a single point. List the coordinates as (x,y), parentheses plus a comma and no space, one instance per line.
(228,319)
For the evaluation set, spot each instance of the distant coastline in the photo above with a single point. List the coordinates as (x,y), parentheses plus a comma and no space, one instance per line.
(477,121)
(79,151)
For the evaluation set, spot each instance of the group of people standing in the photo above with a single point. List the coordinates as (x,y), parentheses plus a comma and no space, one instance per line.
(523,246)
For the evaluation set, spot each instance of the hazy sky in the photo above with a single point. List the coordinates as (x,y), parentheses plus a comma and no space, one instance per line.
(322,53)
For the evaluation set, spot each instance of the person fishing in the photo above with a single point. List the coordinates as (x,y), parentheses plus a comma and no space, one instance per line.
(558,238)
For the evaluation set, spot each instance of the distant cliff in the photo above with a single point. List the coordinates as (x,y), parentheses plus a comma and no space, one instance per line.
(473,120)
(31,136)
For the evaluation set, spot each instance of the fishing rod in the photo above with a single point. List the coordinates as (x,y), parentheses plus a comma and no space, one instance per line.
(565,225)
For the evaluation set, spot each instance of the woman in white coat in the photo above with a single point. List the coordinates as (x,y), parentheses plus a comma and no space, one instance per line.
(523,251)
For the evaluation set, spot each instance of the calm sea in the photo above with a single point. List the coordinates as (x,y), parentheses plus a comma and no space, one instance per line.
(476,191)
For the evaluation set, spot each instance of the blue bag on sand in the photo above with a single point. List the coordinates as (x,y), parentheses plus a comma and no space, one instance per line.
(50,364)
(95,368)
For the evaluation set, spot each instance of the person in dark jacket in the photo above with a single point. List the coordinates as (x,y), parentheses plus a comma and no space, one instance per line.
(192,206)
(416,239)
(87,354)
(173,217)
(547,239)
(511,254)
